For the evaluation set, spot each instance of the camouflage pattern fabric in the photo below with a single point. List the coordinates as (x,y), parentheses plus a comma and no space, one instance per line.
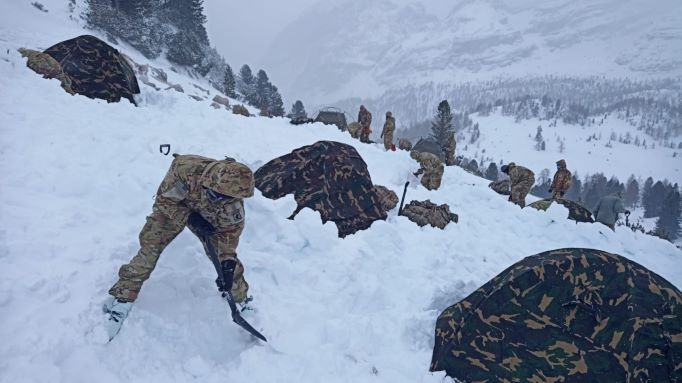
(576,211)
(45,65)
(569,316)
(562,180)
(501,187)
(431,168)
(449,149)
(329,177)
(521,180)
(365,120)
(428,213)
(328,117)
(389,199)
(96,69)
(354,128)
(404,144)
(182,192)
(387,132)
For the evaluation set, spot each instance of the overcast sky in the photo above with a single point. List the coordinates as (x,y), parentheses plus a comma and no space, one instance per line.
(243,30)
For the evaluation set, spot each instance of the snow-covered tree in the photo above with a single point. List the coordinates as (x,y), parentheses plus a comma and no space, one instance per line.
(442,126)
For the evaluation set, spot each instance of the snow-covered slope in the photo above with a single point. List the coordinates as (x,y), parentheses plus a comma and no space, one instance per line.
(78,180)
(502,138)
(349,48)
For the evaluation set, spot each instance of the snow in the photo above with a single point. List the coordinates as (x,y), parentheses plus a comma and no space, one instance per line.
(78,179)
(504,139)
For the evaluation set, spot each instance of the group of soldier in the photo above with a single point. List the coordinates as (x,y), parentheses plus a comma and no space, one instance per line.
(206,195)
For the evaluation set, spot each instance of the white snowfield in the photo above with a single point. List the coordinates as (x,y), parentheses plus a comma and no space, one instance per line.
(78,177)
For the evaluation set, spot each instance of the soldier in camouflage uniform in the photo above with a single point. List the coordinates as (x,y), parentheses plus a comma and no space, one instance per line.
(365,120)
(354,128)
(449,149)
(562,180)
(205,195)
(404,144)
(428,213)
(389,199)
(387,132)
(521,180)
(46,65)
(431,168)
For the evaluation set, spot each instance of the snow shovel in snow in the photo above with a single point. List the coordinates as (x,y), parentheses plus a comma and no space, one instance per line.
(236,316)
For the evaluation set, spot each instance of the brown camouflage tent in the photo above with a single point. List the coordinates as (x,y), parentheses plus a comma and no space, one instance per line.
(569,316)
(329,177)
(576,211)
(94,69)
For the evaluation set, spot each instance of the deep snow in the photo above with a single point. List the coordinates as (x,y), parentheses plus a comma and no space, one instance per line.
(78,179)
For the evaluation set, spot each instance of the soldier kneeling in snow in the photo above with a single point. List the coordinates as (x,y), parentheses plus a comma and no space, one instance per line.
(206,195)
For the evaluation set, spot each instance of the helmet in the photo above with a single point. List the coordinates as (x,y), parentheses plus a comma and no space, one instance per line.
(389,114)
(229,178)
(561,164)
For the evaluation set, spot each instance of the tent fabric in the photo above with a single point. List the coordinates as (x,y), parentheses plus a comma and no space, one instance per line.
(329,177)
(329,117)
(424,145)
(567,315)
(576,211)
(95,68)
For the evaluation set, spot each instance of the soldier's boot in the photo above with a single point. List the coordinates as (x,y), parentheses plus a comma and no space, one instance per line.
(118,312)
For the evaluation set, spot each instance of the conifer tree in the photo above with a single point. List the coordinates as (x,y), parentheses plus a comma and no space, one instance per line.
(492,173)
(670,218)
(298,110)
(246,84)
(631,197)
(229,83)
(442,126)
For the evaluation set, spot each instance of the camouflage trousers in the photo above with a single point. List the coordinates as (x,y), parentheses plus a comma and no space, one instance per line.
(364,134)
(156,234)
(388,140)
(431,180)
(557,194)
(519,192)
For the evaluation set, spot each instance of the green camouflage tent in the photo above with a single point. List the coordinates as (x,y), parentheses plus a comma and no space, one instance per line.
(576,211)
(332,116)
(329,177)
(425,145)
(569,316)
(95,69)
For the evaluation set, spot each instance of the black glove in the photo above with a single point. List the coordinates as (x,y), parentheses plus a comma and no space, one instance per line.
(227,267)
(200,225)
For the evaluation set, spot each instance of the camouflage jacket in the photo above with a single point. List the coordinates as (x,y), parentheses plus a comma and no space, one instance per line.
(365,118)
(428,213)
(562,180)
(181,193)
(389,126)
(429,162)
(521,175)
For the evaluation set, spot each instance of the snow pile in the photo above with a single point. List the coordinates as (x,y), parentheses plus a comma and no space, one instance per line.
(79,176)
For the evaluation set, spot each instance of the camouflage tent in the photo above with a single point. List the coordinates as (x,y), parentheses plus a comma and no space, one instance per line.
(95,69)
(576,211)
(332,116)
(424,145)
(501,187)
(329,177)
(568,315)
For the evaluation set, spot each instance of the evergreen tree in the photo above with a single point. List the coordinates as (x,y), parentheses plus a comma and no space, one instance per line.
(246,85)
(298,110)
(646,192)
(631,197)
(275,103)
(188,45)
(263,87)
(654,203)
(229,83)
(442,126)
(539,140)
(575,191)
(670,218)
(492,173)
